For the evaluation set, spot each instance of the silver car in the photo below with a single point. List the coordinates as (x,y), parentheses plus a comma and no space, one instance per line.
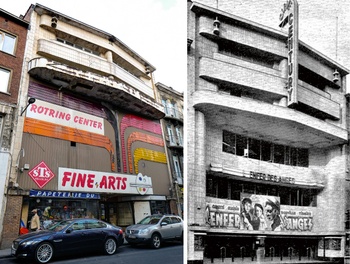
(154,230)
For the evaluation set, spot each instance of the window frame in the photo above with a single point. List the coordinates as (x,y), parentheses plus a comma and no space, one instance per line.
(3,43)
(9,72)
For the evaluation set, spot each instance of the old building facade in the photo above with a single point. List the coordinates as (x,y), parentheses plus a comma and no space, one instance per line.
(90,141)
(172,126)
(13,34)
(267,127)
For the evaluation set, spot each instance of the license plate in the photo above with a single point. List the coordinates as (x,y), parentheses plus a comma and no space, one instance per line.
(132,236)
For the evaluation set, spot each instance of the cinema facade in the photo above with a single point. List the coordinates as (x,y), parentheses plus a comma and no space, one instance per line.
(89,141)
(267,128)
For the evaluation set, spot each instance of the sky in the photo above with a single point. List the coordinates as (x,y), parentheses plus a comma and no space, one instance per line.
(154,29)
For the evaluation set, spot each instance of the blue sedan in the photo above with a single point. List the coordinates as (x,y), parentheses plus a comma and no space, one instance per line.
(68,237)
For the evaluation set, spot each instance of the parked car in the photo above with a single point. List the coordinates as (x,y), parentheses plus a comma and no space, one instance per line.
(154,229)
(68,237)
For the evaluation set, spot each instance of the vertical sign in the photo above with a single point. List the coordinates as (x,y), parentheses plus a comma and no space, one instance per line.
(289,18)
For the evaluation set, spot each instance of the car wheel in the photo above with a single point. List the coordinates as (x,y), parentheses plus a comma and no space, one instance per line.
(110,246)
(43,253)
(156,241)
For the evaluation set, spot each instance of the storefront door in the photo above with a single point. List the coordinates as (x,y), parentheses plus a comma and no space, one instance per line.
(141,209)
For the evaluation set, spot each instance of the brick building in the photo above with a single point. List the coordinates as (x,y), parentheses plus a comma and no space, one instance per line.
(91,141)
(267,128)
(13,34)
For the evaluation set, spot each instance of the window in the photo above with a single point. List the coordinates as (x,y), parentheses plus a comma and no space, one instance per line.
(77,46)
(171,135)
(7,43)
(4,80)
(261,150)
(179,135)
(225,188)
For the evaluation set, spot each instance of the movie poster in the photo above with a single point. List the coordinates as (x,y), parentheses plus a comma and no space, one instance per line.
(260,212)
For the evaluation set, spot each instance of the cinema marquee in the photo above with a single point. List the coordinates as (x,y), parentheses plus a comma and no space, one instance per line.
(289,18)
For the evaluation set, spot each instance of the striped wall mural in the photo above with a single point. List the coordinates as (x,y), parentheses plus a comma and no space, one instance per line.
(47,129)
(147,154)
(154,127)
(138,136)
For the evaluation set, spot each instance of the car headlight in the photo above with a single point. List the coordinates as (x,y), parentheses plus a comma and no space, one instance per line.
(144,231)
(27,243)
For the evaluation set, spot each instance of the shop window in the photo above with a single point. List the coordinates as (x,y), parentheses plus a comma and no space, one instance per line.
(222,188)
(160,207)
(236,189)
(124,214)
(7,43)
(249,188)
(4,80)
(210,187)
(284,194)
(294,196)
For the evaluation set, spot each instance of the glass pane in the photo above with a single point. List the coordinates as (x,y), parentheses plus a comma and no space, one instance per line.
(241,145)
(303,157)
(228,142)
(254,149)
(9,44)
(278,154)
(4,80)
(265,151)
(222,188)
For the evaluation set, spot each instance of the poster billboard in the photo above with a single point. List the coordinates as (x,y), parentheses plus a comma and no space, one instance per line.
(257,212)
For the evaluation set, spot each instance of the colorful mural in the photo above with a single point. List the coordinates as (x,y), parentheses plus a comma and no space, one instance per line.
(154,127)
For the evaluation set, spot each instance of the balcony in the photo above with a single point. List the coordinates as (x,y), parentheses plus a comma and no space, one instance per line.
(174,142)
(95,86)
(82,60)
(172,113)
(264,82)
(273,123)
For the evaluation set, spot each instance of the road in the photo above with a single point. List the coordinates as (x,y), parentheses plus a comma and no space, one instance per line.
(170,253)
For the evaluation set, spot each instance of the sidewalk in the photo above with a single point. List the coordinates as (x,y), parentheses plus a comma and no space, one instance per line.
(5,253)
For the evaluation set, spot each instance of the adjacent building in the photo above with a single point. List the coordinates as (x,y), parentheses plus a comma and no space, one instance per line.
(172,127)
(13,35)
(267,129)
(90,141)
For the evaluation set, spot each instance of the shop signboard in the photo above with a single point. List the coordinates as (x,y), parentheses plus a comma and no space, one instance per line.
(47,112)
(63,195)
(257,212)
(103,182)
(41,174)
(289,18)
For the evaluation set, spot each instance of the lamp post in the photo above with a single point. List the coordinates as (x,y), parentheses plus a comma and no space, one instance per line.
(30,101)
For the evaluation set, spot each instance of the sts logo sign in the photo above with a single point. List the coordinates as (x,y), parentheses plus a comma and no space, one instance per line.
(41,174)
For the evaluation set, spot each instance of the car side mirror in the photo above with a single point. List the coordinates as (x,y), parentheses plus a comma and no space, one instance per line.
(69,230)
(164,224)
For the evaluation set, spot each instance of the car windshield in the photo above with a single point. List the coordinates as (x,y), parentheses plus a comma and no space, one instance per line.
(60,225)
(150,220)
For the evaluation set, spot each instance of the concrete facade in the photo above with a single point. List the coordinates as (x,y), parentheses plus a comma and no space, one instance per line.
(237,89)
